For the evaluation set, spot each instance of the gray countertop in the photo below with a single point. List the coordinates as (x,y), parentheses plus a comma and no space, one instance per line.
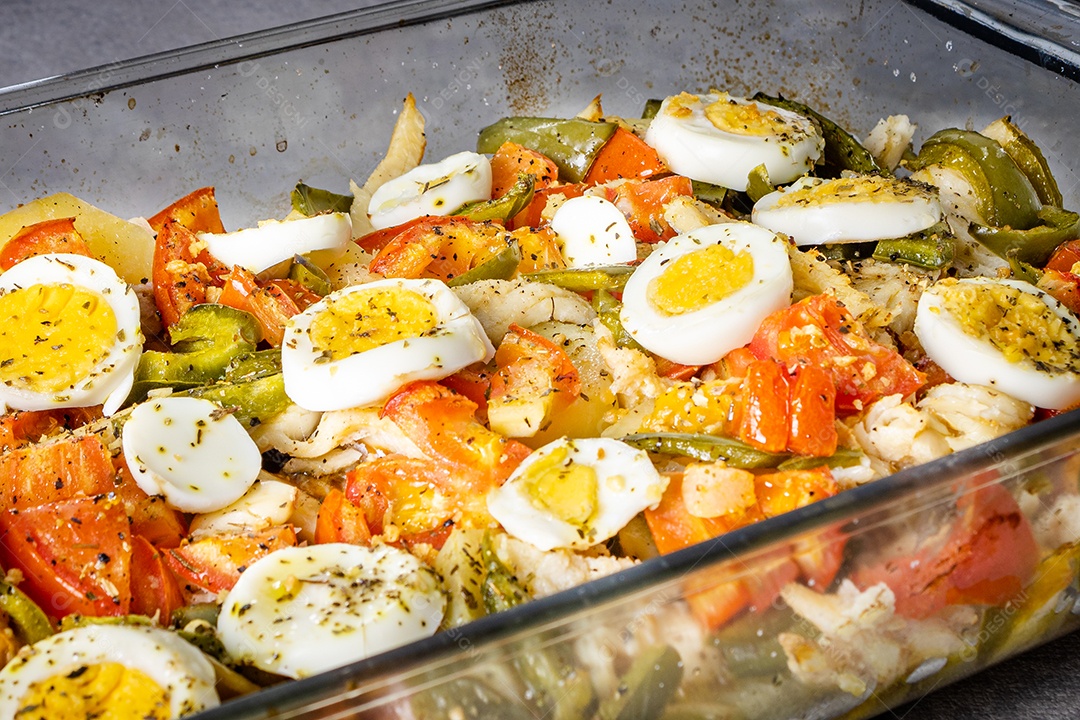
(42,38)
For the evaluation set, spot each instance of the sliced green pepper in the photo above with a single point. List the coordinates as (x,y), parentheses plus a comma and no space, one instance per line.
(750,645)
(842,150)
(30,621)
(645,689)
(205,340)
(501,589)
(309,275)
(1035,244)
(253,365)
(596,277)
(708,193)
(931,248)
(309,201)
(572,144)
(501,267)
(1003,194)
(252,402)
(607,310)
(842,458)
(513,201)
(70,622)
(844,252)
(709,448)
(758,184)
(651,109)
(1028,157)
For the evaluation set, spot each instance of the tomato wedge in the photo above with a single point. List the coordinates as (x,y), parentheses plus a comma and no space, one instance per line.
(511,159)
(272,302)
(340,520)
(154,589)
(75,555)
(536,379)
(625,155)
(417,498)
(53,471)
(24,427)
(442,249)
(48,236)
(197,211)
(820,331)
(181,271)
(214,563)
(643,203)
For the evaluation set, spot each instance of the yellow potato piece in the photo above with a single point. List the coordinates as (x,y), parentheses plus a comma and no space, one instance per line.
(125,246)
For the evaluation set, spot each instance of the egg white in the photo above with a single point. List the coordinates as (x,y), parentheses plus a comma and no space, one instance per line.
(175,665)
(189,451)
(301,611)
(432,189)
(973,360)
(108,382)
(259,248)
(691,145)
(366,378)
(593,231)
(704,336)
(899,209)
(627,483)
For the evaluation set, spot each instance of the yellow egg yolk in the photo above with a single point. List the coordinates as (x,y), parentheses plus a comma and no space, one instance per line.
(108,691)
(699,279)
(749,119)
(566,489)
(367,319)
(1019,324)
(871,188)
(52,336)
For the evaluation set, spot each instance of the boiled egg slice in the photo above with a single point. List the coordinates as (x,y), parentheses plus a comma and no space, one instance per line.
(593,231)
(719,139)
(852,209)
(323,238)
(191,452)
(300,611)
(704,293)
(108,671)
(1006,334)
(433,189)
(69,334)
(576,493)
(360,344)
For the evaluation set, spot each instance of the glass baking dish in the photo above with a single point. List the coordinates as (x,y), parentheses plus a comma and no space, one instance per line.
(316,102)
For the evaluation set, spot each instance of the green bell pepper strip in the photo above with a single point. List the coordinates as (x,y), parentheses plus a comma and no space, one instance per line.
(708,193)
(758,184)
(501,267)
(932,248)
(70,622)
(1003,194)
(708,448)
(513,201)
(842,150)
(30,621)
(843,252)
(645,689)
(309,275)
(310,201)
(253,365)
(607,310)
(205,340)
(597,277)
(572,144)
(1028,157)
(842,458)
(1035,244)
(651,109)
(251,402)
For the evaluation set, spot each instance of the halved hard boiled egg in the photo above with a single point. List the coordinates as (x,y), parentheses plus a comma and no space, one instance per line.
(114,671)
(719,139)
(849,209)
(576,493)
(704,293)
(69,334)
(360,344)
(190,451)
(1005,334)
(300,611)
(432,189)
(324,237)
(592,231)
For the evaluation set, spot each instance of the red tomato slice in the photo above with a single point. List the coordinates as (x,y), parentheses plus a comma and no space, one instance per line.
(24,427)
(1065,257)
(75,555)
(642,202)
(180,272)
(786,490)
(272,302)
(442,249)
(48,236)
(533,373)
(197,211)
(820,331)
(160,524)
(813,413)
(154,590)
(341,521)
(421,499)
(1064,286)
(57,470)
(214,563)
(625,155)
(762,415)
(530,216)
(512,159)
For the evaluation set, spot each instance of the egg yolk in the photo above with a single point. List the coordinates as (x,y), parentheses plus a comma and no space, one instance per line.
(108,691)
(1017,323)
(690,408)
(860,189)
(739,119)
(699,279)
(367,319)
(52,336)
(566,489)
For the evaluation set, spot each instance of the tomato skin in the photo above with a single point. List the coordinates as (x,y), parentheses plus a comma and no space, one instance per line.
(214,563)
(271,302)
(197,211)
(180,275)
(1065,257)
(48,236)
(75,555)
(988,558)
(820,331)
(625,155)
(812,429)
(533,371)
(531,215)
(24,427)
(1064,286)
(643,202)
(511,159)
(154,589)
(50,472)
(763,415)
(443,249)
(786,490)
(341,521)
